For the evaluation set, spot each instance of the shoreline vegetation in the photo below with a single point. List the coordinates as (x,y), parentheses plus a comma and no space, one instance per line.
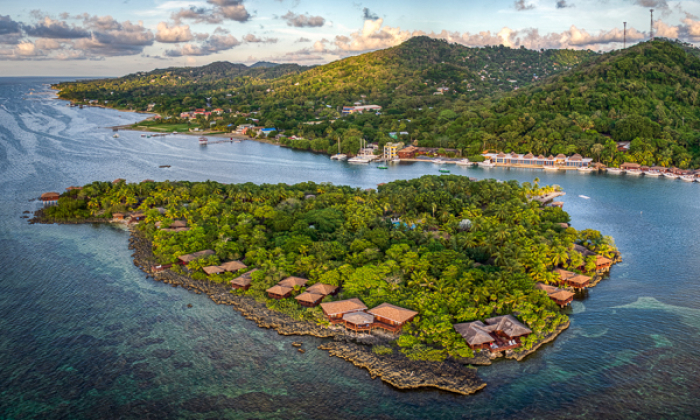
(442,246)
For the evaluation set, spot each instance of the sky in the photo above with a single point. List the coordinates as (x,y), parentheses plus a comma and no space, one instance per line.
(118,37)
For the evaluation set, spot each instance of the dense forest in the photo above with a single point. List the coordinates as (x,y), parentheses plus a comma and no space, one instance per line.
(459,251)
(497,99)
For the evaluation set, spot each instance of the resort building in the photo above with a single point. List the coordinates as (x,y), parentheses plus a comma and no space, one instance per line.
(322,289)
(358,321)
(243,282)
(50,197)
(188,258)
(233,266)
(334,311)
(213,269)
(494,334)
(118,216)
(559,296)
(309,300)
(407,152)
(391,150)
(570,279)
(293,282)
(529,160)
(601,263)
(279,292)
(347,110)
(391,317)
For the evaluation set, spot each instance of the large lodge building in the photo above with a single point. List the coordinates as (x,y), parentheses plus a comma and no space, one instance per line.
(532,161)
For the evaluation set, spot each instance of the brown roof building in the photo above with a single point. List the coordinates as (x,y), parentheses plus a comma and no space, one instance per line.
(559,296)
(293,282)
(391,317)
(322,289)
(309,300)
(334,311)
(50,196)
(244,281)
(187,258)
(495,334)
(358,321)
(233,266)
(213,269)
(568,278)
(279,292)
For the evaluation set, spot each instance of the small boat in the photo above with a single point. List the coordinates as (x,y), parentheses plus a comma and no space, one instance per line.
(358,159)
(203,140)
(116,136)
(164,166)
(551,168)
(382,167)
(464,162)
(635,172)
(486,164)
(652,173)
(395,160)
(238,141)
(438,161)
(174,132)
(338,156)
(670,175)
(445,171)
(585,170)
(687,178)
(585,197)
(615,171)
(143,135)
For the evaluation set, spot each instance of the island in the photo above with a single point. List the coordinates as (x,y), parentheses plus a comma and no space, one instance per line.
(415,281)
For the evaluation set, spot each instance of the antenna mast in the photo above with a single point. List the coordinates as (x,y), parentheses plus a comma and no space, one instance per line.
(651,28)
(624,36)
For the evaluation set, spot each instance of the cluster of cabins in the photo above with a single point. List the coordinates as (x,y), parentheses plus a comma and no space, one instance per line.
(494,334)
(532,161)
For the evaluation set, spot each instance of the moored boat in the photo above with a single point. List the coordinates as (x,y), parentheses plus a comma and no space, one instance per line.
(438,161)
(203,140)
(445,171)
(116,136)
(464,162)
(338,156)
(652,173)
(486,164)
(550,168)
(382,167)
(358,159)
(615,171)
(688,178)
(670,175)
(636,172)
(585,170)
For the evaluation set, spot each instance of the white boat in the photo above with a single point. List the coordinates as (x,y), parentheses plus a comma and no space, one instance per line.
(585,197)
(635,172)
(438,161)
(116,136)
(464,162)
(585,170)
(339,156)
(203,140)
(652,173)
(615,171)
(688,178)
(670,175)
(486,164)
(551,168)
(358,159)
(395,160)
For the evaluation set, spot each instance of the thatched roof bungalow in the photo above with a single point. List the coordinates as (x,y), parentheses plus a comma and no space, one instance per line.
(279,292)
(309,300)
(322,289)
(495,334)
(50,196)
(391,317)
(559,296)
(358,321)
(334,311)
(233,266)
(188,258)
(243,282)
(293,282)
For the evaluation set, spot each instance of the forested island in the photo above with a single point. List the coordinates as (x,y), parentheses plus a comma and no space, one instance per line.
(436,94)
(445,251)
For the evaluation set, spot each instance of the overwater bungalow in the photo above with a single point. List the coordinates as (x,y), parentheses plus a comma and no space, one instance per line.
(601,263)
(559,296)
(187,258)
(358,321)
(233,266)
(334,311)
(322,289)
(309,300)
(213,269)
(571,279)
(49,197)
(494,334)
(279,292)
(243,282)
(293,282)
(391,317)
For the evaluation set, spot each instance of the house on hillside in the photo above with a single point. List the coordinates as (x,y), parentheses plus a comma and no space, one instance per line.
(494,334)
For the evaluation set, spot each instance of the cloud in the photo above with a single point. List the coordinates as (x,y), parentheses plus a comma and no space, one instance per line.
(373,36)
(9,26)
(368,15)
(254,39)
(303,21)
(213,45)
(690,29)
(520,5)
(173,33)
(562,4)
(302,39)
(222,10)
(49,28)
(126,39)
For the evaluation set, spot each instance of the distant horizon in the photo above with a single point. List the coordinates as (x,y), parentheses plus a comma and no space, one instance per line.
(101,38)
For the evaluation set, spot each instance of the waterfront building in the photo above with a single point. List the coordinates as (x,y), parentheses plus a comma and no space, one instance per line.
(49,197)
(391,317)
(187,258)
(358,321)
(571,279)
(530,160)
(233,266)
(309,300)
(293,282)
(243,282)
(213,269)
(494,334)
(322,289)
(279,292)
(334,311)
(559,296)
(391,150)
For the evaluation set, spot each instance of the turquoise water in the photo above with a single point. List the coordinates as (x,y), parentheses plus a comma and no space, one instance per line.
(84,334)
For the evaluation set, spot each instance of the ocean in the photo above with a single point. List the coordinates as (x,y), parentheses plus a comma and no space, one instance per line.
(85,335)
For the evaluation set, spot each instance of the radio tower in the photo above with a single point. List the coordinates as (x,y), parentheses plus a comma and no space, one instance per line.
(624,36)
(651,28)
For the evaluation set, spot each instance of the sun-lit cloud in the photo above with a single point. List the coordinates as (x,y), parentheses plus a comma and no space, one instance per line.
(303,21)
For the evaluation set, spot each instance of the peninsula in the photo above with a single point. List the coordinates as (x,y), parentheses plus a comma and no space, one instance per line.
(412,280)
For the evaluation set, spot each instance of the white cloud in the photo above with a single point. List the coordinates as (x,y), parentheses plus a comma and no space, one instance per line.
(213,45)
(175,33)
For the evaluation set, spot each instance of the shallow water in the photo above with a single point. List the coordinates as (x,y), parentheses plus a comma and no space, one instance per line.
(83,333)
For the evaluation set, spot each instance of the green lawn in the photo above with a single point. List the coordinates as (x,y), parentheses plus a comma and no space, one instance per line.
(164,128)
